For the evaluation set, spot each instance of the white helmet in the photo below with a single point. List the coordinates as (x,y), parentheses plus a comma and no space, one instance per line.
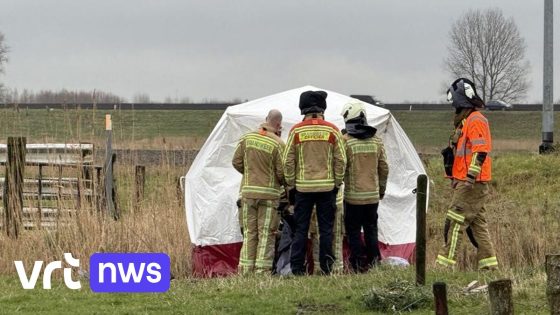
(352,110)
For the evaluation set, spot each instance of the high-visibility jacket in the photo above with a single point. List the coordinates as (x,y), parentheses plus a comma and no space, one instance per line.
(366,172)
(258,157)
(314,159)
(475,137)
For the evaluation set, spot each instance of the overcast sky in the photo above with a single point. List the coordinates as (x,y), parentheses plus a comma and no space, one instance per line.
(227,49)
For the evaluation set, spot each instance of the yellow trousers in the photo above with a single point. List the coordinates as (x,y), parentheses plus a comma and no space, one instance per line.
(260,223)
(467,209)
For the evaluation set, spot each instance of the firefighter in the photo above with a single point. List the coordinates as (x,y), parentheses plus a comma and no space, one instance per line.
(365,183)
(314,163)
(258,157)
(471,170)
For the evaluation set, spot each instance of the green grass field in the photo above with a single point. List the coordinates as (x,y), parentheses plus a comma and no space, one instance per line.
(88,126)
(523,212)
(428,130)
(269,295)
(511,131)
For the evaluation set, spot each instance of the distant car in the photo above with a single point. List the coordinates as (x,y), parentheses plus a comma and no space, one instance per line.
(498,105)
(369,99)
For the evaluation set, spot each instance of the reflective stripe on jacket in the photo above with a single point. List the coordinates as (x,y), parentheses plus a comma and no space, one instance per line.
(258,157)
(314,159)
(366,172)
(475,137)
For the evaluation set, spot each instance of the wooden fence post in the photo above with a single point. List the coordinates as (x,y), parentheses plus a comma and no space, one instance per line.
(40,196)
(97,189)
(140,181)
(79,185)
(89,183)
(440,298)
(501,302)
(59,193)
(116,211)
(421,197)
(180,193)
(13,185)
(553,283)
(109,166)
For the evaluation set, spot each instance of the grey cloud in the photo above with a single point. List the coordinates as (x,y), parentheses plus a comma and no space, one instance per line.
(225,49)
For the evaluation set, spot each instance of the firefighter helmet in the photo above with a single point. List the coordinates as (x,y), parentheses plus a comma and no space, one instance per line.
(353,110)
(462,94)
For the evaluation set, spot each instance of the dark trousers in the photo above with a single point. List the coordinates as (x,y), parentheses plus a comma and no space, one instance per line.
(357,217)
(326,204)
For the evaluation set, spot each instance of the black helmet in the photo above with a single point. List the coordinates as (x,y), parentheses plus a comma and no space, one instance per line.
(313,102)
(462,94)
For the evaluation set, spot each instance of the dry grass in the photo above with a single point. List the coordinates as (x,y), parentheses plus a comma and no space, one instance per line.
(510,145)
(158,224)
(522,212)
(86,234)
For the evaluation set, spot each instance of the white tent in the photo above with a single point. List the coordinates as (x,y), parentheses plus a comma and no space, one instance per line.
(212,184)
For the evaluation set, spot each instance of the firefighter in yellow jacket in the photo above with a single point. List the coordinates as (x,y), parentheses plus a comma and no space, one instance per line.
(314,163)
(469,166)
(258,157)
(364,185)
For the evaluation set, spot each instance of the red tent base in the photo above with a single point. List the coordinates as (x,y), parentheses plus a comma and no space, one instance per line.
(215,260)
(222,260)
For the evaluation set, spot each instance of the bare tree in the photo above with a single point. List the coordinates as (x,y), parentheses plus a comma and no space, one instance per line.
(3,59)
(3,52)
(60,97)
(487,48)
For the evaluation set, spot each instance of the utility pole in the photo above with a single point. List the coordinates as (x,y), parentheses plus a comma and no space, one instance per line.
(547,145)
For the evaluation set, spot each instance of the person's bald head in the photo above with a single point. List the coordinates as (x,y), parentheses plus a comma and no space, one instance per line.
(274,118)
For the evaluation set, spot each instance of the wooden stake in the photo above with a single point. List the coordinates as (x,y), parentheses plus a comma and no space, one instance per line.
(114,198)
(109,167)
(140,181)
(40,196)
(421,205)
(440,298)
(13,186)
(501,302)
(553,283)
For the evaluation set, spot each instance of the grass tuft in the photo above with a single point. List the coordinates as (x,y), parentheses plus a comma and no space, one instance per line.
(397,296)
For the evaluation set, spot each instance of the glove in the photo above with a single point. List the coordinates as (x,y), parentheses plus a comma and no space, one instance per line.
(448,159)
(282,208)
(238,203)
(381,196)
